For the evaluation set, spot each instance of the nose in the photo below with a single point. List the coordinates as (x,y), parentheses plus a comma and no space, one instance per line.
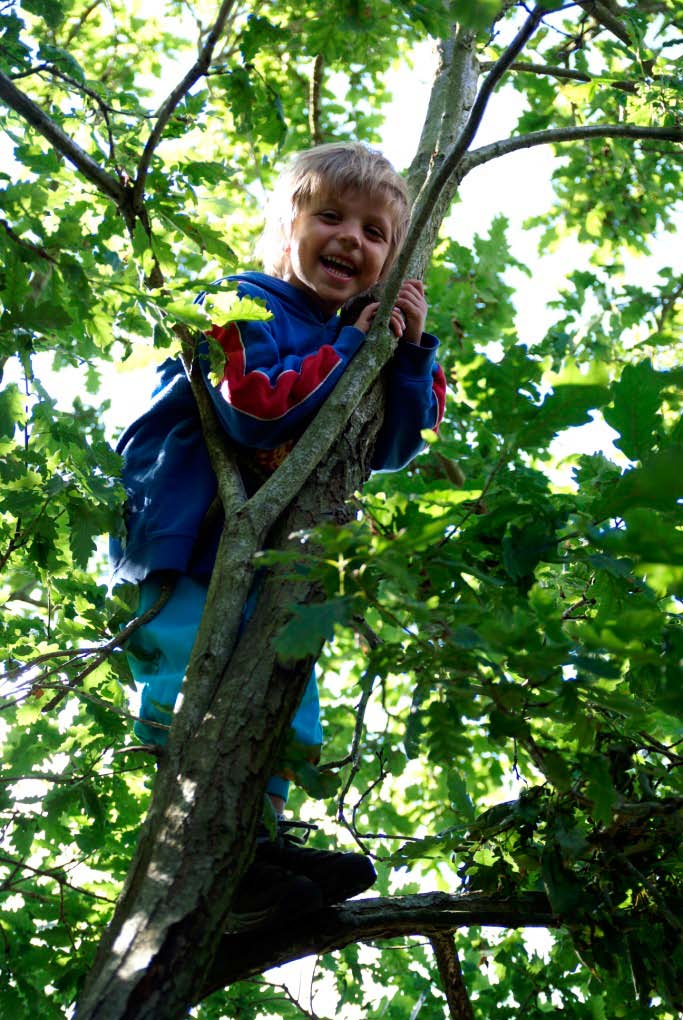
(350,233)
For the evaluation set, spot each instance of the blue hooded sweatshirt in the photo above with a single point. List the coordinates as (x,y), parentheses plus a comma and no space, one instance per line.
(277,374)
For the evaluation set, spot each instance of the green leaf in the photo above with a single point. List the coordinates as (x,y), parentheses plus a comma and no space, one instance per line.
(657,484)
(635,410)
(188,312)
(51,11)
(82,538)
(226,306)
(459,796)
(62,59)
(415,723)
(479,15)
(562,886)
(309,627)
(201,234)
(525,545)
(12,410)
(316,783)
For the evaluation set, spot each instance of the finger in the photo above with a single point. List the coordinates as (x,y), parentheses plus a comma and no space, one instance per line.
(416,286)
(412,296)
(397,322)
(366,316)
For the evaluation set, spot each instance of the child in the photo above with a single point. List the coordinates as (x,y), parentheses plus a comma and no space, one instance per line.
(339,218)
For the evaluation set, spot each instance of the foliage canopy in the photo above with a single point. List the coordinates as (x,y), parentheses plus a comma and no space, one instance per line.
(511,626)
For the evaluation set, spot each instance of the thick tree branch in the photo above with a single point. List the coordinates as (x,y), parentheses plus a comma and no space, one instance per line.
(37,118)
(281,488)
(237,700)
(198,69)
(228,479)
(427,146)
(486,153)
(450,972)
(450,163)
(371,920)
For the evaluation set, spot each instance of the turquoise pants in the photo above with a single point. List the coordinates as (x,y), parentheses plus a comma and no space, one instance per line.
(158,654)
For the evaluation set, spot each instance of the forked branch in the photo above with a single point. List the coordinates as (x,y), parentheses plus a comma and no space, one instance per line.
(49,129)
(436,183)
(198,69)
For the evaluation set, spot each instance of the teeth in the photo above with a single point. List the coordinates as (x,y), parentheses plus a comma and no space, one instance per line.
(345,267)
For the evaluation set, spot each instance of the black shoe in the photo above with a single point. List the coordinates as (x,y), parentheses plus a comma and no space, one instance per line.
(271,895)
(338,875)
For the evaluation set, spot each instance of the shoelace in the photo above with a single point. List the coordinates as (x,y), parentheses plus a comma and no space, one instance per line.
(285,825)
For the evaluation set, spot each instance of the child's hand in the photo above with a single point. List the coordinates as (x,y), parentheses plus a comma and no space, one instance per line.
(412,307)
(408,314)
(397,322)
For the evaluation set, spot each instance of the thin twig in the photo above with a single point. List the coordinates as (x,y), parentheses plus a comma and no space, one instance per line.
(353,757)
(564,73)
(53,873)
(284,990)
(75,29)
(103,107)
(116,642)
(668,916)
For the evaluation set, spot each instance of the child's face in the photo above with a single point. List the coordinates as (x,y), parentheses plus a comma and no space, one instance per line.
(338,247)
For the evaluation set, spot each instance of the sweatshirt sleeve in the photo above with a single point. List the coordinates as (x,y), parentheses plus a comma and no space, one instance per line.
(266,397)
(415,400)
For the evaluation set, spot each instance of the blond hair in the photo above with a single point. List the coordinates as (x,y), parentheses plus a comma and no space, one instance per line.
(338,167)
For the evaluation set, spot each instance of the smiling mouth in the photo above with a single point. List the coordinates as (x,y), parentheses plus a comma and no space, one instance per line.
(342,270)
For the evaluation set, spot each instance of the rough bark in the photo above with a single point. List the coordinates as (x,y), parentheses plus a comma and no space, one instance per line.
(430,915)
(450,972)
(207,801)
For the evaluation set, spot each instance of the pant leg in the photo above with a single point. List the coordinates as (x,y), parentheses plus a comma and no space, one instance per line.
(159,652)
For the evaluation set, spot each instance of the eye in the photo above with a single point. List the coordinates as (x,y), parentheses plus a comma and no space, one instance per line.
(329,215)
(375,232)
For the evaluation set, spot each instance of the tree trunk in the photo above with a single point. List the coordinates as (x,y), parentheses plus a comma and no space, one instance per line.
(208,798)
